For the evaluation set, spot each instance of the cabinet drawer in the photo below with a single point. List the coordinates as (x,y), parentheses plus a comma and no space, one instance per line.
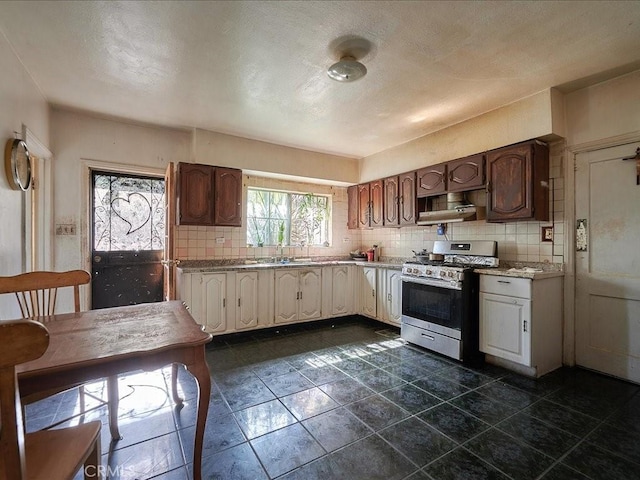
(511,286)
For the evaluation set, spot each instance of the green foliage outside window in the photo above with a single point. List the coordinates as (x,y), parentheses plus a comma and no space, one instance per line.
(286,218)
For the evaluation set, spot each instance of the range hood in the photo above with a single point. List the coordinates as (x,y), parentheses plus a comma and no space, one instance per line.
(458,210)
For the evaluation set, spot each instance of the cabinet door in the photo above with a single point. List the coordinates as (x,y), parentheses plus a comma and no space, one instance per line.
(407,192)
(391,201)
(364,205)
(517,183)
(195,194)
(465,174)
(247,300)
(213,298)
(228,197)
(352,207)
(310,294)
(505,327)
(431,180)
(368,291)
(287,294)
(341,290)
(394,296)
(377,204)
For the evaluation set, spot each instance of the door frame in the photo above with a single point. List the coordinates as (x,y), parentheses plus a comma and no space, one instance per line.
(86,166)
(38,203)
(569,342)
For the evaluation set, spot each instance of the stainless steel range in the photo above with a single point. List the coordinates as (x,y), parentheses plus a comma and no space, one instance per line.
(440,299)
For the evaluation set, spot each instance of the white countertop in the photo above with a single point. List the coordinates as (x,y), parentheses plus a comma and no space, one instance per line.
(292,264)
(523,272)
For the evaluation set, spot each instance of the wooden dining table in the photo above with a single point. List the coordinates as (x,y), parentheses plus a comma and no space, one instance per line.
(90,345)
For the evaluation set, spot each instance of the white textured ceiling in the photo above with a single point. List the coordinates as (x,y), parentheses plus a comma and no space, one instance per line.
(257,69)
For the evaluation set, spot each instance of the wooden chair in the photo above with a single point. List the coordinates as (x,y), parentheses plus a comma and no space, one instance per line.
(52,454)
(37,293)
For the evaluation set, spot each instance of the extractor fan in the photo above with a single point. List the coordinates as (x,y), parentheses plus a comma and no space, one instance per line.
(349,49)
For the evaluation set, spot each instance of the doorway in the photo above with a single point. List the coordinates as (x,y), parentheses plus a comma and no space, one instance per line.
(608,262)
(128,236)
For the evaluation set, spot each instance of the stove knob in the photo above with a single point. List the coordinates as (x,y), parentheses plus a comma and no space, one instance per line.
(451,274)
(428,272)
(443,274)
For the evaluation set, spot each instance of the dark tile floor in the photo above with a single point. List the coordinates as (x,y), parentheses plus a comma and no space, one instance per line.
(353,401)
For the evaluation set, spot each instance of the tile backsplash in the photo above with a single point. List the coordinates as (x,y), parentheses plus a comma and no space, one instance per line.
(517,241)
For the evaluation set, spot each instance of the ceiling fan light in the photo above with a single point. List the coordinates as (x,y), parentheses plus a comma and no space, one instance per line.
(347,70)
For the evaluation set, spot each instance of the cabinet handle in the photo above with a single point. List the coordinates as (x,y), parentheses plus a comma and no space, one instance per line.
(503,281)
(224,303)
(433,339)
(489,186)
(525,325)
(373,293)
(238,302)
(388,297)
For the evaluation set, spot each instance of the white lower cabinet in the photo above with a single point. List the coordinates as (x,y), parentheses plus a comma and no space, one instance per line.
(389,296)
(208,304)
(246,300)
(298,295)
(337,291)
(241,300)
(228,302)
(368,291)
(521,322)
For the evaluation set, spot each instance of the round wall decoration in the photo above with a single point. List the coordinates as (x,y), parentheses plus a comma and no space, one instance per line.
(17,164)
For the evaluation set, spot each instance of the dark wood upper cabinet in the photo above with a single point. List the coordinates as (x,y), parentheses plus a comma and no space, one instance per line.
(518,183)
(370,204)
(364,205)
(195,194)
(352,207)
(228,197)
(209,195)
(465,174)
(431,180)
(377,204)
(407,207)
(391,201)
(400,200)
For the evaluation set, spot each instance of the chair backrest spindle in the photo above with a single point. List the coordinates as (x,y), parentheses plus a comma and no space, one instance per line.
(37,292)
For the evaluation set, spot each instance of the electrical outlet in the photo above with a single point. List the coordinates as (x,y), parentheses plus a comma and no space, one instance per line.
(346,240)
(66,229)
(219,239)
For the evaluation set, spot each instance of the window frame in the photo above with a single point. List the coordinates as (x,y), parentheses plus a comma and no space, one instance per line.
(271,238)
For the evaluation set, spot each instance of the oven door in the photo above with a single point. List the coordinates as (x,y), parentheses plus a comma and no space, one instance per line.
(432,301)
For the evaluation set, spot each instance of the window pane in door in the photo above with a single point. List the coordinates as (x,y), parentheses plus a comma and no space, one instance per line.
(128,213)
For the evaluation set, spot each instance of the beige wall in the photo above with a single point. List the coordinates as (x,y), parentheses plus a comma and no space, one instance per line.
(536,116)
(20,104)
(606,110)
(229,151)
(79,140)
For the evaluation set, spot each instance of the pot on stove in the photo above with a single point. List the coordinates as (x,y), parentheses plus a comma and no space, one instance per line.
(427,257)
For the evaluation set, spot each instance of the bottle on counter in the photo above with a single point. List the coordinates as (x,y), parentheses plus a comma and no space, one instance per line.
(370,253)
(376,253)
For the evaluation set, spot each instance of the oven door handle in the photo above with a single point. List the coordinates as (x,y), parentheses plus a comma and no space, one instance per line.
(432,282)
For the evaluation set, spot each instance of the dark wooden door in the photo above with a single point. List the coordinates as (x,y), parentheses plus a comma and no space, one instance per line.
(352,207)
(195,194)
(228,197)
(364,205)
(431,180)
(407,206)
(466,174)
(128,238)
(377,204)
(391,201)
